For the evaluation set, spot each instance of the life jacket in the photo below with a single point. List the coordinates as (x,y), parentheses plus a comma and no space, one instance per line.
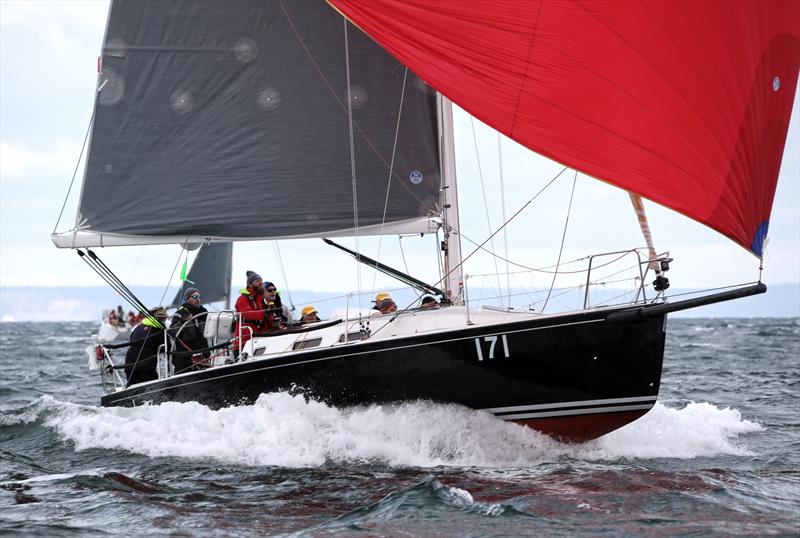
(152,322)
(260,324)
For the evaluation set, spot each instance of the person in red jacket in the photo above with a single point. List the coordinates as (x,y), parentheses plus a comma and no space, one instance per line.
(252,309)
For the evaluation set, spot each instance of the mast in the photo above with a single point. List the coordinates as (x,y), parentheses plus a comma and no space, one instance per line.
(454,281)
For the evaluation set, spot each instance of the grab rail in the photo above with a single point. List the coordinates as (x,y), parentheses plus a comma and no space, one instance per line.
(589,271)
(642,274)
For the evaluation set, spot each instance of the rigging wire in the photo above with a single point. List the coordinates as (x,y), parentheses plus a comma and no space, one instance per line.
(106,274)
(352,155)
(599,281)
(545,269)
(391,171)
(520,210)
(75,173)
(172,274)
(277,249)
(695,292)
(405,264)
(117,285)
(120,291)
(335,95)
(485,203)
(563,237)
(479,247)
(402,255)
(559,292)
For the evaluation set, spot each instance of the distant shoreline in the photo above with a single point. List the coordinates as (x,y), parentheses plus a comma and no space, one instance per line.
(19,303)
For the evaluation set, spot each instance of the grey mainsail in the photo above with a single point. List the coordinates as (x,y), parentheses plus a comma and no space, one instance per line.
(211,273)
(230,120)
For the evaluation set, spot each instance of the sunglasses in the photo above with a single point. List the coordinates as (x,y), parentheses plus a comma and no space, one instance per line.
(271,290)
(194,296)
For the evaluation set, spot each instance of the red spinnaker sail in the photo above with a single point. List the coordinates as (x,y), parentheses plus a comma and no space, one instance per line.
(685,102)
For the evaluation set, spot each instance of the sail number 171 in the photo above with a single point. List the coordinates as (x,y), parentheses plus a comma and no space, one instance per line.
(480,343)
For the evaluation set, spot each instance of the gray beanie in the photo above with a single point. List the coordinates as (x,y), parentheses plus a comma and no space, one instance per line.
(252,276)
(190,291)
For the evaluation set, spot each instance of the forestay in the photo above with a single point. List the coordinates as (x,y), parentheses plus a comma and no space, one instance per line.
(686,103)
(230,120)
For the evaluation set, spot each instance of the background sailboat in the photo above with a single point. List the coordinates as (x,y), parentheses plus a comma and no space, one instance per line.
(211,272)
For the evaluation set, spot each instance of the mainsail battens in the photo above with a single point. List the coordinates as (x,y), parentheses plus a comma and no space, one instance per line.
(684,103)
(229,120)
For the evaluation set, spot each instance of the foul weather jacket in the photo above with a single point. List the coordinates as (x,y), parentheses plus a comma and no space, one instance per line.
(142,355)
(252,308)
(191,334)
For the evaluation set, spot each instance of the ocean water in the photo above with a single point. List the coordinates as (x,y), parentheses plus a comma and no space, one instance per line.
(719,455)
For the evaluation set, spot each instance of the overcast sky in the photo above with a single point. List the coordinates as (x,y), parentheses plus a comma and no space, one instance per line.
(49,51)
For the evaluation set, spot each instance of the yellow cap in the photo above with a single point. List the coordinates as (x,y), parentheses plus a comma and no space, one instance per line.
(382,296)
(308,309)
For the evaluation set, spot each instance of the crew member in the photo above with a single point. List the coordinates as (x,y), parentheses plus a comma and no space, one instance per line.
(142,356)
(384,303)
(429,303)
(188,322)
(309,315)
(251,308)
(276,312)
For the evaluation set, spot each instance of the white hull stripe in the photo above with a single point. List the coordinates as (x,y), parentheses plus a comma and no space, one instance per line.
(580,403)
(588,411)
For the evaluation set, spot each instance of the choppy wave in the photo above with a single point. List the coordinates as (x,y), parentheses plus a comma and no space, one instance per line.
(286,430)
(285,465)
(403,504)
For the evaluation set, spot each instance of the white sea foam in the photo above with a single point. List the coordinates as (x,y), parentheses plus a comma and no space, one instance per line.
(285,430)
(695,430)
(26,416)
(463,499)
(48,477)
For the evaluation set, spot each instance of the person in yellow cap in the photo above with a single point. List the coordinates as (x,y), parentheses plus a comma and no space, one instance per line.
(309,314)
(384,303)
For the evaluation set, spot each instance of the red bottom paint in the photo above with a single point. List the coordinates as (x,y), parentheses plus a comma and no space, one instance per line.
(580,428)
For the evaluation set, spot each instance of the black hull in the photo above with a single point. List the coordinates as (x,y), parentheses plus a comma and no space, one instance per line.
(574,377)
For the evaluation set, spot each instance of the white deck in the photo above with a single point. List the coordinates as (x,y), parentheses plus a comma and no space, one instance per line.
(379,327)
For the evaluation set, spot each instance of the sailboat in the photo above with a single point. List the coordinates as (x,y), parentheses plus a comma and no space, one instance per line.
(278,120)
(110,329)
(211,271)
